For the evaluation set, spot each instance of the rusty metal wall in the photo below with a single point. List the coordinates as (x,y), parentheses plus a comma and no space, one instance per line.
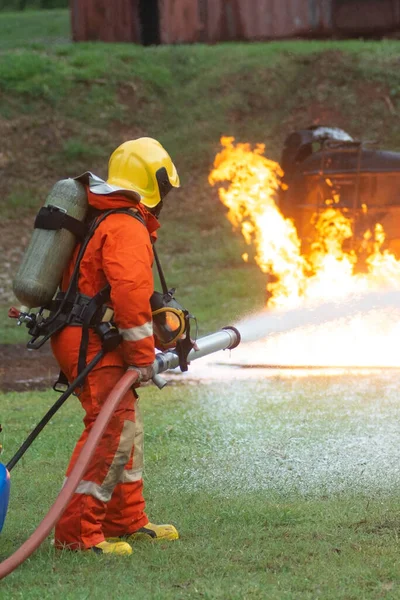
(212,21)
(180,21)
(105,20)
(267,19)
(365,16)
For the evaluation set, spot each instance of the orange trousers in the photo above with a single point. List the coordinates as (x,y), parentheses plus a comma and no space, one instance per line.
(109,500)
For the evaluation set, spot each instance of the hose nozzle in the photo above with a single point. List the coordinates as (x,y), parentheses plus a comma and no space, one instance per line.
(236,337)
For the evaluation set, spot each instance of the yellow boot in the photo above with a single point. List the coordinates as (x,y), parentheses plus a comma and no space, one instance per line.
(150,532)
(119,548)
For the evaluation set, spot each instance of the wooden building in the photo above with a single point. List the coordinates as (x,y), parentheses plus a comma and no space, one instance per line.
(189,21)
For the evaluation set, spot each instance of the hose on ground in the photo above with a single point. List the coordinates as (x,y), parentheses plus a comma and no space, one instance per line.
(77,473)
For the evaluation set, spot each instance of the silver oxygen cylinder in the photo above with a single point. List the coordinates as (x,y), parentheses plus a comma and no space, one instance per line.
(49,251)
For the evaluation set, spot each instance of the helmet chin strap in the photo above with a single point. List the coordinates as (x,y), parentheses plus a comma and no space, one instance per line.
(157,209)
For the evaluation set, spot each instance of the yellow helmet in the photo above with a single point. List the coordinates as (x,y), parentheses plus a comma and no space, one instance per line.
(143,166)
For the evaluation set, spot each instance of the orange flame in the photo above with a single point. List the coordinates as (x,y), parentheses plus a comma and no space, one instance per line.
(249,185)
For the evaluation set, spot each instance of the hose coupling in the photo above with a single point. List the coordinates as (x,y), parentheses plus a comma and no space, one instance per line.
(236,340)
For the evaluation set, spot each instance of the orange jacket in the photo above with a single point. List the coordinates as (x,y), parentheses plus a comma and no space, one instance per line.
(120,254)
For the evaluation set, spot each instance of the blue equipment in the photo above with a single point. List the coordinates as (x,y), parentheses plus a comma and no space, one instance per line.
(4,493)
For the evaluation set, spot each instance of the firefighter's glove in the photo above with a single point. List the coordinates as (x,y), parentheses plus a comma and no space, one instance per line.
(145,373)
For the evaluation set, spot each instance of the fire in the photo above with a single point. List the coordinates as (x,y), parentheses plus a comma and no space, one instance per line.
(254,181)
(248,185)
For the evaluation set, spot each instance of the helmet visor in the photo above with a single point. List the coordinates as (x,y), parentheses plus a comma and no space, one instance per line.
(168,324)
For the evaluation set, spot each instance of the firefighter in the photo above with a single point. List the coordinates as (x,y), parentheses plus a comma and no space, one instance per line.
(107,511)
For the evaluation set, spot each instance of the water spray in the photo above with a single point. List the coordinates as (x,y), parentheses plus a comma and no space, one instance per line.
(260,326)
(358,332)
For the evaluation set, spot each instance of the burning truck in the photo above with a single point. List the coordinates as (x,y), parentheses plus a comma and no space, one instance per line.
(324,224)
(326,165)
(323,227)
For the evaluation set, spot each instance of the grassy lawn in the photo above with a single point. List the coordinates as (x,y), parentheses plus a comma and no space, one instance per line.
(282,488)
(34,29)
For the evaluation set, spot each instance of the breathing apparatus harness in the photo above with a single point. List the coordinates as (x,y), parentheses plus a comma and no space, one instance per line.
(73,308)
(171,322)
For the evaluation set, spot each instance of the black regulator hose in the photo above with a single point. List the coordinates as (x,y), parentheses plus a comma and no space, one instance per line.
(33,435)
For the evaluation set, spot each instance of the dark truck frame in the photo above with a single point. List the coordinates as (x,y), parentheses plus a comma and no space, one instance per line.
(318,161)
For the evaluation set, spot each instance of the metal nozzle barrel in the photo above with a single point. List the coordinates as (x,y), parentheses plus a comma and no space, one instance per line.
(226,339)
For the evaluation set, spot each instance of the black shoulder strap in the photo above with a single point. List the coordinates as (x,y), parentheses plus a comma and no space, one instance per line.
(91,228)
(101,297)
(91,309)
(73,286)
(54,218)
(160,271)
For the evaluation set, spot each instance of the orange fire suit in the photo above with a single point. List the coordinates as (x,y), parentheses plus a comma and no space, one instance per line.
(109,501)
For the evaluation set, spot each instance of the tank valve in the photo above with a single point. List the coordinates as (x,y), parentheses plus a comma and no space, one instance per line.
(23,317)
(14,313)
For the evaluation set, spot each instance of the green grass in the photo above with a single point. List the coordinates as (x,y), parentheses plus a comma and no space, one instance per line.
(21,199)
(76,149)
(283,488)
(34,29)
(10,332)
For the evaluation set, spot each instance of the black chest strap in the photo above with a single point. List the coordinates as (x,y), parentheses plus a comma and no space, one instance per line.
(88,317)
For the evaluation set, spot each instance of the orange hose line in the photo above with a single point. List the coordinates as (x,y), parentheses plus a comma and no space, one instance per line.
(77,473)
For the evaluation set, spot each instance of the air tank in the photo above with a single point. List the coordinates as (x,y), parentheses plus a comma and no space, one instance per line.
(49,251)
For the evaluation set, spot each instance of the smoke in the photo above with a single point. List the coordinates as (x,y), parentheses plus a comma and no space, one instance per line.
(259,326)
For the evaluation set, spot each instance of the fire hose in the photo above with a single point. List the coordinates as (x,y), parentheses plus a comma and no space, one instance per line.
(226,339)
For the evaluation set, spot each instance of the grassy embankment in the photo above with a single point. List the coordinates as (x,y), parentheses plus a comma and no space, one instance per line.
(273,484)
(64,108)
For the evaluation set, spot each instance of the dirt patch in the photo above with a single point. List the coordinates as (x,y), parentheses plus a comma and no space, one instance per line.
(26,182)
(23,370)
(32,150)
(333,93)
